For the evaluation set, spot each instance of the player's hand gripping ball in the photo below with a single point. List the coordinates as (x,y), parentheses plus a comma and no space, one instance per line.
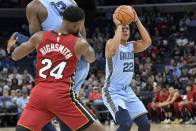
(125,14)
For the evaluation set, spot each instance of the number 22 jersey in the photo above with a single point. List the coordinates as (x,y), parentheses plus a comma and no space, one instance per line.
(120,67)
(56,59)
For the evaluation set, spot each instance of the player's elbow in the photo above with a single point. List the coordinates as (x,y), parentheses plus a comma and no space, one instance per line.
(149,42)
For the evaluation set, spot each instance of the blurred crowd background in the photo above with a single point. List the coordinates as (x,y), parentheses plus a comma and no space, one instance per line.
(169,61)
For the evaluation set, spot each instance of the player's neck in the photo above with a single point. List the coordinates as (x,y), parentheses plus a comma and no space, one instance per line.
(124,43)
(62,30)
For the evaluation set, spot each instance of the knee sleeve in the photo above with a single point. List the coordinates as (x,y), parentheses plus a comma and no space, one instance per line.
(49,127)
(143,123)
(123,119)
(21,128)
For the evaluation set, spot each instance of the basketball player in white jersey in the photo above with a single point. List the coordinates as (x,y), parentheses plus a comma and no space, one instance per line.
(45,15)
(118,97)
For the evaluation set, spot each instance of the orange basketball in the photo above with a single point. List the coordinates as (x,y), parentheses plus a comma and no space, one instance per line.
(125,14)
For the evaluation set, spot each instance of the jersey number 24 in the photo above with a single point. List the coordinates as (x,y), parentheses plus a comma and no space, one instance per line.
(56,72)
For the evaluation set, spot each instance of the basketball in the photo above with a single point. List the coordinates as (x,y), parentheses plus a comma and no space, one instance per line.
(125,14)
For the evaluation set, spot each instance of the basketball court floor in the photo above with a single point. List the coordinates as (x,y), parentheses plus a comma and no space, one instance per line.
(154,127)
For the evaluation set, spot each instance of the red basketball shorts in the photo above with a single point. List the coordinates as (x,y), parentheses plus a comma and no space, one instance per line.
(50,100)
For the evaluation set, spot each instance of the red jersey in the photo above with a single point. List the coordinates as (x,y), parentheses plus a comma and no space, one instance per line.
(189,95)
(161,98)
(178,99)
(194,96)
(56,58)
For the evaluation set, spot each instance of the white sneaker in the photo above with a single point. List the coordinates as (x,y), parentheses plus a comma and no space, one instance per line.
(165,121)
(168,121)
(191,121)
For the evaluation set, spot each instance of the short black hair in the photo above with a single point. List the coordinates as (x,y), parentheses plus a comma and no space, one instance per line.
(73,14)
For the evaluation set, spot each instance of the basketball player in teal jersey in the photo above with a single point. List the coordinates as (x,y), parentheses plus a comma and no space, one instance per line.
(118,97)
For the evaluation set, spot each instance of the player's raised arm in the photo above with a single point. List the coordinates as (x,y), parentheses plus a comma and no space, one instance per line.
(27,47)
(82,48)
(33,10)
(146,41)
(112,44)
(35,13)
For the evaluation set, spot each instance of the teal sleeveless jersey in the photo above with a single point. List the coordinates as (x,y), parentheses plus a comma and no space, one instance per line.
(55,9)
(120,67)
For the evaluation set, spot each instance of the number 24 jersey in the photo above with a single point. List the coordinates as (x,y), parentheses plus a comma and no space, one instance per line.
(56,59)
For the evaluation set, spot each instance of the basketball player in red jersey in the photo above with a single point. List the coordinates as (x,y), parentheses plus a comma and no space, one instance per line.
(161,96)
(183,104)
(172,103)
(45,15)
(58,53)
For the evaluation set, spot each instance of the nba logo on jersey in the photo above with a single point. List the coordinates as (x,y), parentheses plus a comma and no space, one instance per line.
(58,38)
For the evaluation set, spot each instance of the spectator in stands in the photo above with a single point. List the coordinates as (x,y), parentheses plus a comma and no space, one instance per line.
(92,80)
(168,74)
(148,64)
(144,77)
(100,61)
(182,41)
(155,52)
(95,94)
(136,64)
(28,82)
(191,42)
(176,71)
(5,96)
(171,66)
(6,87)
(18,93)
(13,95)
(162,26)
(139,84)
(185,20)
(184,78)
(16,75)
(180,63)
(141,68)
(88,90)
(149,84)
(21,101)
(159,77)
(15,84)
(4,75)
(25,74)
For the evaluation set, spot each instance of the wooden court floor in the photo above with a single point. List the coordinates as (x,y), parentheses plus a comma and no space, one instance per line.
(154,127)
